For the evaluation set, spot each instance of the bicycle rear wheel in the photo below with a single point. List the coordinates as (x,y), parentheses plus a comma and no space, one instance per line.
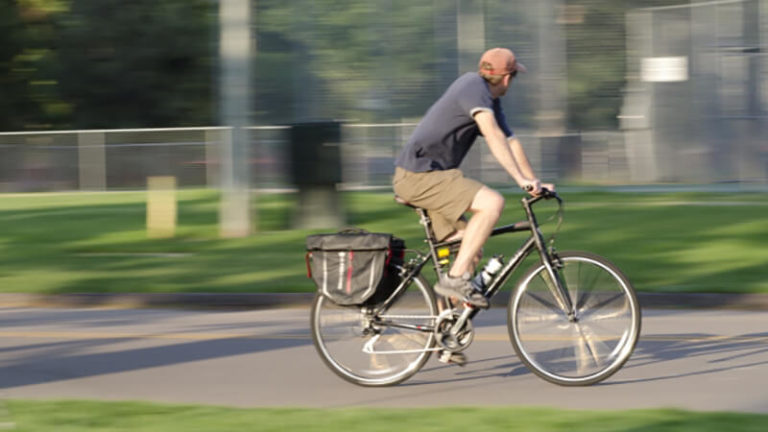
(592,346)
(369,349)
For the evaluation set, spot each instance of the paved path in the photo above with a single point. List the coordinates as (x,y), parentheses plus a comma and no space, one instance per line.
(700,360)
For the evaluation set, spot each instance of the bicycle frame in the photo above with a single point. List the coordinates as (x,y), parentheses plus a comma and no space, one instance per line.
(534,242)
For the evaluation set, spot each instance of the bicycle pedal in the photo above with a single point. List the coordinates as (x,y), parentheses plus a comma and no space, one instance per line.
(457,358)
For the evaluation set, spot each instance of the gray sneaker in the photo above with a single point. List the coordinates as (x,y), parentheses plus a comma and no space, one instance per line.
(457,358)
(461,288)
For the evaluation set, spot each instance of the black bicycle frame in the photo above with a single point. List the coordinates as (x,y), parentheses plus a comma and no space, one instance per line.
(535,241)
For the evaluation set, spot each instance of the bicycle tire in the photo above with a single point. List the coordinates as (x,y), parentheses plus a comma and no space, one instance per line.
(584,351)
(337,334)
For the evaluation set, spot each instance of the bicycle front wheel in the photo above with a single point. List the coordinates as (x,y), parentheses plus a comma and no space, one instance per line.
(587,347)
(376,349)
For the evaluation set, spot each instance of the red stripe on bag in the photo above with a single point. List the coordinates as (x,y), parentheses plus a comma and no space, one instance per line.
(309,269)
(349,272)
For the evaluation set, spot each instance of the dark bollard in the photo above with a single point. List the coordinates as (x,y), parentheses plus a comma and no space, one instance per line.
(315,155)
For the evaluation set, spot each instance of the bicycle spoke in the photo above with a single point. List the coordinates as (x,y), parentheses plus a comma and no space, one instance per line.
(409,340)
(544,302)
(582,355)
(574,290)
(378,362)
(583,300)
(586,285)
(584,294)
(555,292)
(593,316)
(595,276)
(596,307)
(594,343)
(530,318)
(400,344)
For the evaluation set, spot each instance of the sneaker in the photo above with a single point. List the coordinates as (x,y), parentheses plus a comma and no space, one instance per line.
(461,287)
(457,358)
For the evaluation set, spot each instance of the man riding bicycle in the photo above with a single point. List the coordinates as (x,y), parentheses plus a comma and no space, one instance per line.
(427,174)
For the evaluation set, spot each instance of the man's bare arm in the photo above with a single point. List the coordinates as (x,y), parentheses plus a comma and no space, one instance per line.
(506,153)
(525,165)
(521,158)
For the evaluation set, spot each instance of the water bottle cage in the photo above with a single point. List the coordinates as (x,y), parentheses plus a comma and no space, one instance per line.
(485,276)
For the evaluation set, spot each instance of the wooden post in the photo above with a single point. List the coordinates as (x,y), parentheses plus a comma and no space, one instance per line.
(161,207)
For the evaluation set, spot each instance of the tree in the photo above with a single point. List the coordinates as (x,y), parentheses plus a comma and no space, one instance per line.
(145,63)
(25,29)
(334,58)
(596,49)
(142,63)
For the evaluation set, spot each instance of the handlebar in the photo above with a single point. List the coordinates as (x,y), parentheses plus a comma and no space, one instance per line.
(545,194)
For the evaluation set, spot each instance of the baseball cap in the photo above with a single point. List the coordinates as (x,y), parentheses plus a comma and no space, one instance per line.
(501,60)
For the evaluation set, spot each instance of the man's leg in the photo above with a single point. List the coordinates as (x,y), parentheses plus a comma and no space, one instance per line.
(448,195)
(486,208)
(459,235)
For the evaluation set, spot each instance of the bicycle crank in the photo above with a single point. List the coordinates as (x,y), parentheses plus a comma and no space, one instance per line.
(454,331)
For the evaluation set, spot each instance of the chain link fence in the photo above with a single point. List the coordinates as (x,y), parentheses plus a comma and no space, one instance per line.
(695,105)
(696,108)
(123,159)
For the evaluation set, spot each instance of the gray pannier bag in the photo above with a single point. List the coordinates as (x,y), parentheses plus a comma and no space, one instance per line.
(348,267)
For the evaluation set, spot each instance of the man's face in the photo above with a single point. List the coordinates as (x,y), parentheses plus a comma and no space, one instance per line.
(506,82)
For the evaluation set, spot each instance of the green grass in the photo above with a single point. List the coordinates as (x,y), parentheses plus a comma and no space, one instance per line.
(87,416)
(81,242)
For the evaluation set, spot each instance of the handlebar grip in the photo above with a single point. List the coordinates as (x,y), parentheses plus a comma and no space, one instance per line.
(545,194)
(542,191)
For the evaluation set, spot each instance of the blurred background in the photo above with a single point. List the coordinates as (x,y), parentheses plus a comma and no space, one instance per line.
(101,94)
(224,101)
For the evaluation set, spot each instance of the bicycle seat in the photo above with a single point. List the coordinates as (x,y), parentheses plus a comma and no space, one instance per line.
(402,201)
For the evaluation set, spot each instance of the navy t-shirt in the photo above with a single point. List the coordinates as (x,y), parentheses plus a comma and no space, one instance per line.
(448,129)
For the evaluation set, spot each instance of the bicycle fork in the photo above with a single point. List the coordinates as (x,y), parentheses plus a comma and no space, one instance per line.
(555,283)
(557,287)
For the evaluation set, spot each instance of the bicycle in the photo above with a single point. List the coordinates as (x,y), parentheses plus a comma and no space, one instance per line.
(573,318)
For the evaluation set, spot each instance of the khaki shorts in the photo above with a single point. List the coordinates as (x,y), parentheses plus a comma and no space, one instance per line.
(447,195)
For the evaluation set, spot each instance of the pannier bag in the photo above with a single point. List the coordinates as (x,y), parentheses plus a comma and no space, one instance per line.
(349,267)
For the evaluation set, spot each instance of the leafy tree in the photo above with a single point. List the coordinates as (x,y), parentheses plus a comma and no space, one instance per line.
(146,63)
(142,63)
(11,86)
(25,86)
(335,58)
(596,53)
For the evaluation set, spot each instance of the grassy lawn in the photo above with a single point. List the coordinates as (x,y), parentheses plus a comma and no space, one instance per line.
(96,242)
(86,416)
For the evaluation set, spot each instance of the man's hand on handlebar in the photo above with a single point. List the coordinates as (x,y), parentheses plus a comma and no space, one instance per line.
(535,187)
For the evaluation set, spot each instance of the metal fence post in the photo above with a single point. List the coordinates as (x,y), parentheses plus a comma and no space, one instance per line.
(235,92)
(212,158)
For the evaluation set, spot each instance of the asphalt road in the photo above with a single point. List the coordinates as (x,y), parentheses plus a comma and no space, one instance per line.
(699,360)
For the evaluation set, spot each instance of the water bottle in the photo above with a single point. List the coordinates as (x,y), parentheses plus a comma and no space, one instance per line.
(484,277)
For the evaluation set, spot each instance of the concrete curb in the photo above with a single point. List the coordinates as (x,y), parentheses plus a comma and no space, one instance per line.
(158,300)
(704,301)
(278,300)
